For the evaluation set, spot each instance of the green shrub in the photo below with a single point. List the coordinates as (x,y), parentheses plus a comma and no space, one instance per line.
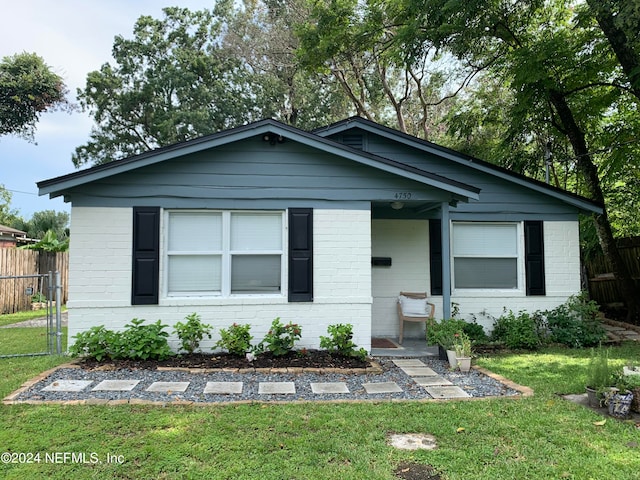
(236,339)
(522,331)
(575,323)
(280,338)
(475,332)
(443,332)
(144,342)
(341,341)
(97,342)
(192,332)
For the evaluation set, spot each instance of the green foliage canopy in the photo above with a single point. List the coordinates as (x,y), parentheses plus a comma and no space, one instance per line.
(28,88)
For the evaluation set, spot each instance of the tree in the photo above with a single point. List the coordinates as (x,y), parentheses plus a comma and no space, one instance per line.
(171,82)
(8,216)
(28,88)
(48,220)
(560,70)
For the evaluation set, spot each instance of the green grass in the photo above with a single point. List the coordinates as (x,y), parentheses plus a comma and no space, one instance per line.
(541,437)
(23,340)
(10,318)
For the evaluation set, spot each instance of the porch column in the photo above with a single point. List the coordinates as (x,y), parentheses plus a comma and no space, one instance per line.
(446,261)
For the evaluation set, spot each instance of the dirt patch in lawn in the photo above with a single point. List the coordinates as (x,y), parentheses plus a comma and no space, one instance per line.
(416,471)
(297,359)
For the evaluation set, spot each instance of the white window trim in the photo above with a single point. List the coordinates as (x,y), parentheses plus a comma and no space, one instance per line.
(519,291)
(226,254)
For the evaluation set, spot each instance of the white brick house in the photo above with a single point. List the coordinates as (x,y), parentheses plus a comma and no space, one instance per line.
(266,221)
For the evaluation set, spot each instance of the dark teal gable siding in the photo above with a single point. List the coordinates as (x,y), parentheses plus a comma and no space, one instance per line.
(252,174)
(500,199)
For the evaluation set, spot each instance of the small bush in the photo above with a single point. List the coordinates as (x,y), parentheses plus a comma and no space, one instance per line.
(144,342)
(97,342)
(522,331)
(443,332)
(340,341)
(236,339)
(475,332)
(280,338)
(192,332)
(575,323)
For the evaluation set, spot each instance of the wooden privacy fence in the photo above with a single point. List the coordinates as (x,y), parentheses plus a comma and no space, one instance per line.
(16,294)
(602,283)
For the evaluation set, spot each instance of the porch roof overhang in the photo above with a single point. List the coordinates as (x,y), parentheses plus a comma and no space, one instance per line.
(65,184)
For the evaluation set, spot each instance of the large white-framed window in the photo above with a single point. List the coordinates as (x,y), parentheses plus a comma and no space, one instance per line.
(486,255)
(224,253)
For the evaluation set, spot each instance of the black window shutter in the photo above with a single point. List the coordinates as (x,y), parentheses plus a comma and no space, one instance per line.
(300,255)
(146,255)
(435,256)
(534,257)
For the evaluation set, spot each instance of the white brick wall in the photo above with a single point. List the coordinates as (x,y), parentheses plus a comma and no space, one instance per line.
(407,242)
(100,281)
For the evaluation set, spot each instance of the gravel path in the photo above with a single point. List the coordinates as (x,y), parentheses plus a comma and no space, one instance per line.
(474,384)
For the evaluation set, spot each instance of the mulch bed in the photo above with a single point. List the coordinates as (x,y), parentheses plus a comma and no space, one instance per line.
(302,359)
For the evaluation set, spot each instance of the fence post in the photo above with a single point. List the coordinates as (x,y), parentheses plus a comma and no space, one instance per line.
(50,332)
(58,314)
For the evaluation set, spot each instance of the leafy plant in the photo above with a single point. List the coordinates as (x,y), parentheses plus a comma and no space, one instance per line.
(236,339)
(462,345)
(97,342)
(575,323)
(144,342)
(475,332)
(341,341)
(443,332)
(192,332)
(280,338)
(38,297)
(521,331)
(599,374)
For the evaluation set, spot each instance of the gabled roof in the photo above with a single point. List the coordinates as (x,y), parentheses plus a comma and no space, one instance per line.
(367,125)
(59,185)
(14,232)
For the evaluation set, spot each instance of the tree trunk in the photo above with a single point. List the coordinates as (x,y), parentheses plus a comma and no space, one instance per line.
(589,172)
(629,59)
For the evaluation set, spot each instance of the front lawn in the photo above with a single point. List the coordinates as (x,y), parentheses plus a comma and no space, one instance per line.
(531,438)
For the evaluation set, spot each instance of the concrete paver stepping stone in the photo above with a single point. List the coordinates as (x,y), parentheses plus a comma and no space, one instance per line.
(419,371)
(116,385)
(329,387)
(432,381)
(166,387)
(382,387)
(223,388)
(409,362)
(275,388)
(447,392)
(67,386)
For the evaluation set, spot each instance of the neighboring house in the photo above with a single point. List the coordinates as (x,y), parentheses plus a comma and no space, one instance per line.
(323,227)
(9,237)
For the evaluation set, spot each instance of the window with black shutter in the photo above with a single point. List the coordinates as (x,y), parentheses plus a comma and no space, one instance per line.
(146,255)
(300,255)
(534,257)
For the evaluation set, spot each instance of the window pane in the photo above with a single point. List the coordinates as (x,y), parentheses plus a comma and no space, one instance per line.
(195,231)
(194,273)
(485,239)
(255,231)
(486,272)
(255,273)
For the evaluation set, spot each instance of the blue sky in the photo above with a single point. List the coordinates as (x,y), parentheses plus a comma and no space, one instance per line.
(74,37)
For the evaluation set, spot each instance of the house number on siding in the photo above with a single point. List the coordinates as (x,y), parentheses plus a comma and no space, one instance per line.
(402,196)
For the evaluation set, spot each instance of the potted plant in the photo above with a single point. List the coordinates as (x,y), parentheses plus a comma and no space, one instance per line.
(618,398)
(462,346)
(599,376)
(442,333)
